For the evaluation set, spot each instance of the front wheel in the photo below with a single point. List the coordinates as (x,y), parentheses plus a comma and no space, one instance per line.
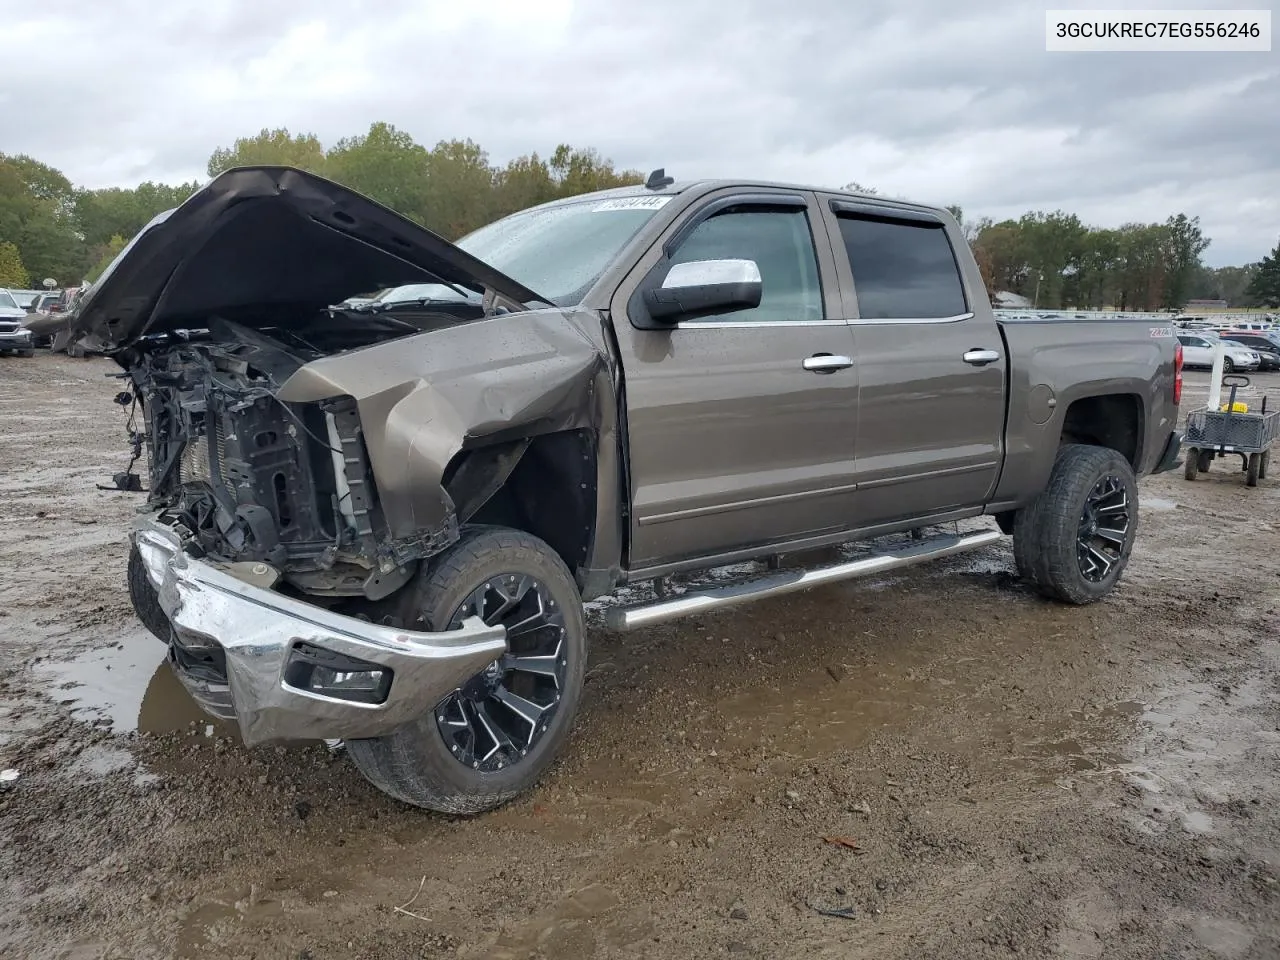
(1254,470)
(1086,523)
(494,736)
(1227,365)
(146,602)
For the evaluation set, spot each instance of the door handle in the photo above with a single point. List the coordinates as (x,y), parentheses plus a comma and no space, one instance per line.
(980,356)
(826,363)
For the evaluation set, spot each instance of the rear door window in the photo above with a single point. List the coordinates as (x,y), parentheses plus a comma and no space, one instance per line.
(902,270)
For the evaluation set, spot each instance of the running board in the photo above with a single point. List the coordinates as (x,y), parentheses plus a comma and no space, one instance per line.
(776,585)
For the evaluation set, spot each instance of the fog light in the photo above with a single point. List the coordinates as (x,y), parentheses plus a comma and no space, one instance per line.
(330,674)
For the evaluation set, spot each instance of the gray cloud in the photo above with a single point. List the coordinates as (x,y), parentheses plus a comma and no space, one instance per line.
(923,98)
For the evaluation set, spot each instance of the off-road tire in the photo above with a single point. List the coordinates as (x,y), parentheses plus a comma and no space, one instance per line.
(146,602)
(413,763)
(1056,568)
(1254,470)
(1191,468)
(1026,530)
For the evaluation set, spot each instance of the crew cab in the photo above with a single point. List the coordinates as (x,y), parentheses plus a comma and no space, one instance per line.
(381,526)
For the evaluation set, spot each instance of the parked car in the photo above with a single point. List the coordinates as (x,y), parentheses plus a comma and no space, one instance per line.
(382,527)
(26,298)
(1266,344)
(14,335)
(1198,349)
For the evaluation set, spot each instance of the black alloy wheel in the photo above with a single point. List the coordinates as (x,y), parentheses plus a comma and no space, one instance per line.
(500,714)
(1104,528)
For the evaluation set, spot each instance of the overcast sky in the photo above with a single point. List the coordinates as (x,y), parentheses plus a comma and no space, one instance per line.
(935,100)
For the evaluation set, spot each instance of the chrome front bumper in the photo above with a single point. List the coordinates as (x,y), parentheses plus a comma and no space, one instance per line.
(19,339)
(259,632)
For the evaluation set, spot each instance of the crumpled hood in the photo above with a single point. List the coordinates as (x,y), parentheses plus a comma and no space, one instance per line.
(267,245)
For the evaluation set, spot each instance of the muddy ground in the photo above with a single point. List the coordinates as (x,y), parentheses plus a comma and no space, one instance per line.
(1014,778)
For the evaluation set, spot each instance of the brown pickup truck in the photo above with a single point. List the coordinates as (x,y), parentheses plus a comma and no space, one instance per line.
(380,524)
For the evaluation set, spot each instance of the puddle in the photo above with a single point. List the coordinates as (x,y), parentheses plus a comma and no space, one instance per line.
(126,683)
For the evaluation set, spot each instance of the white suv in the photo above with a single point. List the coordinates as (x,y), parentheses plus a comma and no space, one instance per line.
(1197,351)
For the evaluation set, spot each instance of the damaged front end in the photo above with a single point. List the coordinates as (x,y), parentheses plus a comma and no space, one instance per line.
(251,478)
(304,462)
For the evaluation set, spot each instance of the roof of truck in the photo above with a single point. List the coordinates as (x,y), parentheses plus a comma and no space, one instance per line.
(708,185)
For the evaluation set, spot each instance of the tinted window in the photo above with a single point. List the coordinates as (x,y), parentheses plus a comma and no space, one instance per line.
(902,271)
(780,243)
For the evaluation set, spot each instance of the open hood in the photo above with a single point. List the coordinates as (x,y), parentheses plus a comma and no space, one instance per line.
(268,246)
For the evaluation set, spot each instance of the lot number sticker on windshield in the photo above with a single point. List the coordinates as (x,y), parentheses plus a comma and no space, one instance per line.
(1161,332)
(631,203)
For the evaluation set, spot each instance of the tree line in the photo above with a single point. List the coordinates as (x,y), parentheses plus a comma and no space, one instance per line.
(50,228)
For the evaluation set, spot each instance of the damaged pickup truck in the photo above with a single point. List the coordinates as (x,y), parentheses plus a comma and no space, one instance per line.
(382,526)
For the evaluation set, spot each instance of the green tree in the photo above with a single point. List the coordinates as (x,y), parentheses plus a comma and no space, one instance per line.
(278,147)
(108,252)
(1265,285)
(36,215)
(460,186)
(583,171)
(103,214)
(1183,244)
(524,182)
(385,165)
(12,272)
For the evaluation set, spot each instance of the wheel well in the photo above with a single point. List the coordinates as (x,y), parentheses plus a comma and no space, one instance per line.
(1113,421)
(550,491)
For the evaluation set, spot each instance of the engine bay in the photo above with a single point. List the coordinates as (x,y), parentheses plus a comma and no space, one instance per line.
(255,479)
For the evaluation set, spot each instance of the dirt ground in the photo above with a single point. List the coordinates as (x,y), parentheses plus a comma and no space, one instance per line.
(1012,777)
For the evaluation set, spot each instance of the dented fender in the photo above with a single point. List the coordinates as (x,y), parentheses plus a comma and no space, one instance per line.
(424,399)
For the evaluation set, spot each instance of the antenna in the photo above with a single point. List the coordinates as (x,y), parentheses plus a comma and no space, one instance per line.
(659,179)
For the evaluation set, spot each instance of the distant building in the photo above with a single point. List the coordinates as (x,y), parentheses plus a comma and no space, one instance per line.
(1205,305)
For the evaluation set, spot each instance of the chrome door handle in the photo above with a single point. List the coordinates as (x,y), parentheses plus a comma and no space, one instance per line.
(980,357)
(826,363)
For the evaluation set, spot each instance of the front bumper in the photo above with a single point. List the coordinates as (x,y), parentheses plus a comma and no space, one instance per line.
(15,340)
(1169,459)
(258,631)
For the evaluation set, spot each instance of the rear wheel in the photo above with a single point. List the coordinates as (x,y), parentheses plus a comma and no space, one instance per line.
(1254,470)
(1263,464)
(494,736)
(1086,524)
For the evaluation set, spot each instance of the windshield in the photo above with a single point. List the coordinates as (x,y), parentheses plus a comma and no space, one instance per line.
(559,251)
(6,300)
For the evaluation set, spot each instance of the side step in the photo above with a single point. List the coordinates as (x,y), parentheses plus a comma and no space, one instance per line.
(703,601)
